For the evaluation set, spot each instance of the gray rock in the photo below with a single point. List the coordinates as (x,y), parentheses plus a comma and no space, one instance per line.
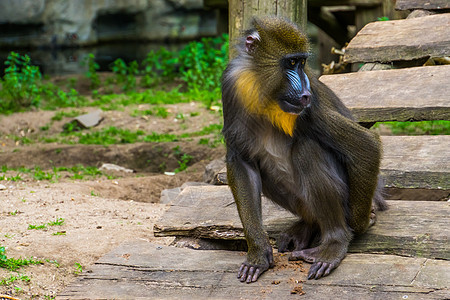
(91,119)
(115,168)
(212,169)
(86,22)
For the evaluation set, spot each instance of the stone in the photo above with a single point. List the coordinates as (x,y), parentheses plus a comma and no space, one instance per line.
(91,119)
(55,23)
(116,168)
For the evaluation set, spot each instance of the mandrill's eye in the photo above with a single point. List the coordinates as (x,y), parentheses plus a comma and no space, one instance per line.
(293,62)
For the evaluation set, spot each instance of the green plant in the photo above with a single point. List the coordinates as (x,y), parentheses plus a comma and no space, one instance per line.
(57,222)
(20,85)
(13,264)
(91,73)
(126,75)
(418,128)
(13,278)
(161,112)
(59,233)
(78,268)
(158,66)
(184,159)
(59,115)
(41,175)
(202,63)
(383,19)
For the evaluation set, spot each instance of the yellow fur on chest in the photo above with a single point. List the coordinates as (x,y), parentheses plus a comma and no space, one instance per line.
(248,89)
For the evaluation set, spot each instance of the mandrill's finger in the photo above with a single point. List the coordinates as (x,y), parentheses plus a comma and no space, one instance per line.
(256,275)
(244,273)
(250,274)
(322,269)
(241,269)
(328,270)
(313,270)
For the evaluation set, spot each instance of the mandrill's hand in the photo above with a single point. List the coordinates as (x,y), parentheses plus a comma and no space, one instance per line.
(257,263)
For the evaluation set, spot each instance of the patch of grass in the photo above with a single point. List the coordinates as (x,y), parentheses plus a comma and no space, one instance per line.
(41,175)
(14,264)
(57,222)
(183,161)
(37,227)
(69,114)
(13,278)
(418,128)
(161,112)
(59,233)
(109,136)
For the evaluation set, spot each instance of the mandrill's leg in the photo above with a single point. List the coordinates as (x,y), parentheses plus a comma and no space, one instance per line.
(328,255)
(245,183)
(298,237)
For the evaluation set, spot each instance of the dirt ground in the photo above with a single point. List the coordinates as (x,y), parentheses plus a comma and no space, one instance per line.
(99,213)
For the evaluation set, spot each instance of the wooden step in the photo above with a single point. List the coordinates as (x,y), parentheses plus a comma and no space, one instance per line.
(413,94)
(407,39)
(142,270)
(408,228)
(416,161)
(422,4)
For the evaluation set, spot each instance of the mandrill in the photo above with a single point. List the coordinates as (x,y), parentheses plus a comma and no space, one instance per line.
(290,137)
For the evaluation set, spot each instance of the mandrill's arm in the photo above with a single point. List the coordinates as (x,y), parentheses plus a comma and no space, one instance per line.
(245,183)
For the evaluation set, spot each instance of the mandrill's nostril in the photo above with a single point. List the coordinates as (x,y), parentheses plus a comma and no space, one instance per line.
(305,100)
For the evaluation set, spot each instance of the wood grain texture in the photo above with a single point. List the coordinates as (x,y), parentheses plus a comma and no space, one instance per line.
(416,161)
(422,4)
(141,270)
(408,228)
(401,40)
(413,94)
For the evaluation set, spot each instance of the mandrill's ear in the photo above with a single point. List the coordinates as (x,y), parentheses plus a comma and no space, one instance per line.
(251,42)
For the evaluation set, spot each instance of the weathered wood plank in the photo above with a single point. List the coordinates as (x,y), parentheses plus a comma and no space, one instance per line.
(422,4)
(141,270)
(412,94)
(401,40)
(416,161)
(407,228)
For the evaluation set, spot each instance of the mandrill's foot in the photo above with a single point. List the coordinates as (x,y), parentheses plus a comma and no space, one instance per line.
(298,237)
(250,272)
(320,268)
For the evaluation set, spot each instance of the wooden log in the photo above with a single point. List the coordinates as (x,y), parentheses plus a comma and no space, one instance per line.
(242,12)
(408,228)
(422,4)
(141,270)
(413,94)
(401,40)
